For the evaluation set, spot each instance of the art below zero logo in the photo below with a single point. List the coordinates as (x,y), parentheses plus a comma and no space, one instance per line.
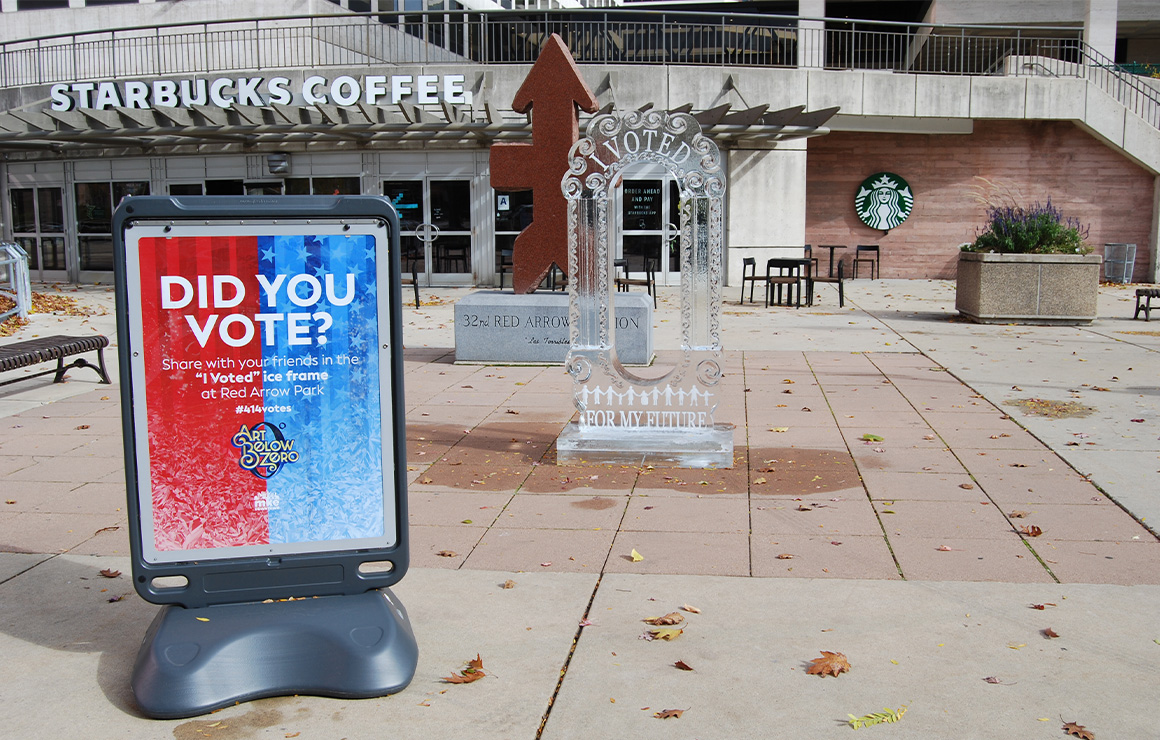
(264,455)
(884,201)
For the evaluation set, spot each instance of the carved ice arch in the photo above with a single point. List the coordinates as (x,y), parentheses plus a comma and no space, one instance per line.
(597,164)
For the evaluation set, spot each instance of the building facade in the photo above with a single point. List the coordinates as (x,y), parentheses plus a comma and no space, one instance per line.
(318,97)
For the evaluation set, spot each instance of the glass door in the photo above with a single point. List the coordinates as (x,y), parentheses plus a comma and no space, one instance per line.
(38,226)
(650,227)
(435,221)
(513,214)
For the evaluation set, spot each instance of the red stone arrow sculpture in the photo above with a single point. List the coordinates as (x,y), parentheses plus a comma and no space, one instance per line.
(555,89)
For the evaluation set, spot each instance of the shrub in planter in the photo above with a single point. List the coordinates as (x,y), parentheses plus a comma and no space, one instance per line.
(1039,229)
(1028,265)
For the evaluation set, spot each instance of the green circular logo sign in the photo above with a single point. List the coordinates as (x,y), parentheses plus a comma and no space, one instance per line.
(884,201)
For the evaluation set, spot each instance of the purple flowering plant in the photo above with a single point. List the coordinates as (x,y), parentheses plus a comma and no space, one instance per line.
(1017,229)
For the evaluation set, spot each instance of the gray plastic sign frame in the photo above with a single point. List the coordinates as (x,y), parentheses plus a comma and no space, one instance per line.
(295,301)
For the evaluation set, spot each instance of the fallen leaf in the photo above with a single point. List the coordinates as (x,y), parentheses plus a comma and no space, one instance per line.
(586,623)
(872,438)
(1138,421)
(682,665)
(115,599)
(992,679)
(447,554)
(512,411)
(294,734)
(785,556)
(1017,514)
(944,548)
(509,583)
(966,486)
(829,664)
(86,426)
(1071,728)
(887,715)
(1031,530)
(546,564)
(690,609)
(1049,633)
(110,573)
(667,634)
(669,714)
(779,429)
(670,618)
(202,619)
(636,556)
(473,672)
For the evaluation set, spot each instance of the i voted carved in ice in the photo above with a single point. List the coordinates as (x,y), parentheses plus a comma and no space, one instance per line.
(178,292)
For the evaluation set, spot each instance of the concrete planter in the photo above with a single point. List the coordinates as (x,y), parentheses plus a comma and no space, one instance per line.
(1028,288)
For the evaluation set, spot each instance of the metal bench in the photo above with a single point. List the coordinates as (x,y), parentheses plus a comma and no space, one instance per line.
(45,349)
(1144,298)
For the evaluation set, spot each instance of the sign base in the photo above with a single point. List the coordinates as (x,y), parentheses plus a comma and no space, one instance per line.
(194,661)
(711,447)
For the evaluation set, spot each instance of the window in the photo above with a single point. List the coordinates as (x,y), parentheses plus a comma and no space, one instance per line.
(323,186)
(95,204)
(38,225)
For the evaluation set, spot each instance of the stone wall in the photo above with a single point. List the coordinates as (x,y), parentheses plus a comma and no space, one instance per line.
(1039,159)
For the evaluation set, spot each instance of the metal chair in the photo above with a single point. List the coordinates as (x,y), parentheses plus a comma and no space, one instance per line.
(749,275)
(808,253)
(505,262)
(828,279)
(873,258)
(788,275)
(649,281)
(411,258)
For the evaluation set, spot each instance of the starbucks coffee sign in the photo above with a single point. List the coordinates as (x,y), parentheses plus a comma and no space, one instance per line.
(884,201)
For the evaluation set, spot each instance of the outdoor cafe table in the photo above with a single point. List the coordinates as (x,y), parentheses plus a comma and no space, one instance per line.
(831,247)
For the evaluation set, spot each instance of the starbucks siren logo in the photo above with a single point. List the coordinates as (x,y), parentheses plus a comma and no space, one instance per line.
(884,201)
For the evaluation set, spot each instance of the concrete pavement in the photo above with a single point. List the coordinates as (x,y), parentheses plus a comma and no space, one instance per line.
(907,553)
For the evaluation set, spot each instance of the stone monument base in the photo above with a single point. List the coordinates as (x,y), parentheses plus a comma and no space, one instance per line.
(493,326)
(711,447)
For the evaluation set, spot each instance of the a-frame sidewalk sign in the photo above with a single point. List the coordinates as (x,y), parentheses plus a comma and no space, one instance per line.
(260,347)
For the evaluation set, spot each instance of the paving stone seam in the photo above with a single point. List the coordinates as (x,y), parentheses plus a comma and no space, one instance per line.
(1153,529)
(858,470)
(967,470)
(749,503)
(1047,450)
(571,652)
(48,556)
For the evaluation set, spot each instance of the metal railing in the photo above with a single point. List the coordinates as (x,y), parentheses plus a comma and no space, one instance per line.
(14,280)
(595,37)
